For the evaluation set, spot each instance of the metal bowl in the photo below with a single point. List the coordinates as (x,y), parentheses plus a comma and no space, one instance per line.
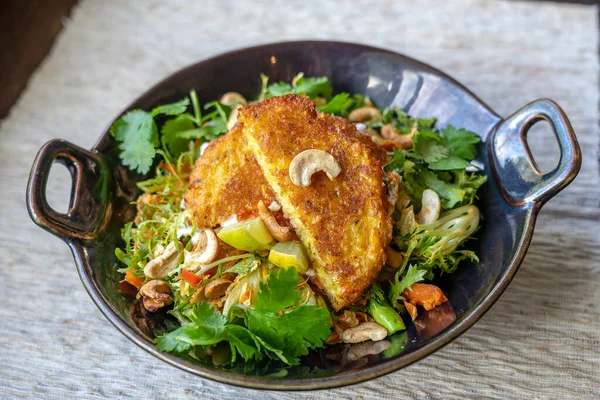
(509,201)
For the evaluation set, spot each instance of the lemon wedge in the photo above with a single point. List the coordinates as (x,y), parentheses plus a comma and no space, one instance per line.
(248,235)
(289,254)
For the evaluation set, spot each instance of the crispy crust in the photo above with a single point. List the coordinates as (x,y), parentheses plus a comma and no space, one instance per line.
(226,181)
(343,223)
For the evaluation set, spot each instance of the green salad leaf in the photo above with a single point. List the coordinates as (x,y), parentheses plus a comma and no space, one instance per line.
(274,326)
(404,281)
(452,149)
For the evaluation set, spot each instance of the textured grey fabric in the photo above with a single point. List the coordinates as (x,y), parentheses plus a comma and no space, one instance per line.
(541,340)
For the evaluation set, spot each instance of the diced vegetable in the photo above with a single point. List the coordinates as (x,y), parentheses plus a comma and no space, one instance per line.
(382,312)
(289,254)
(133,280)
(248,235)
(190,277)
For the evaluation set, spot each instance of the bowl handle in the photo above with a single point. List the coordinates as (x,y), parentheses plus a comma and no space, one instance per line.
(90,204)
(512,164)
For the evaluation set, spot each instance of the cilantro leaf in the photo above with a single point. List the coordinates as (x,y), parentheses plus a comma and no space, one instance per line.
(176,108)
(397,162)
(279,291)
(460,142)
(293,332)
(171,131)
(339,103)
(137,135)
(452,149)
(278,89)
(400,284)
(313,87)
(429,146)
(206,327)
(212,130)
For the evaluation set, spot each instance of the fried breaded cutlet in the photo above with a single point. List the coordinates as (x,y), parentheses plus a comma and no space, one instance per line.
(226,181)
(343,222)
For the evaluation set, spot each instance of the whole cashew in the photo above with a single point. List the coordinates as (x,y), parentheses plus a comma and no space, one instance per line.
(361,350)
(364,114)
(308,162)
(163,263)
(430,210)
(206,248)
(231,98)
(394,258)
(363,332)
(233,117)
(403,141)
(156,294)
(280,233)
(216,288)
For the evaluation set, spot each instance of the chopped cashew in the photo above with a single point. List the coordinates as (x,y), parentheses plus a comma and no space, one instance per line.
(198,295)
(308,162)
(363,332)
(280,233)
(205,250)
(156,294)
(407,220)
(430,210)
(403,141)
(274,206)
(233,117)
(216,288)
(361,350)
(364,114)
(392,189)
(165,262)
(231,98)
(365,130)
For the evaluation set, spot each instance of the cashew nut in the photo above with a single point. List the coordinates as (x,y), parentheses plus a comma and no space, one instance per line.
(361,350)
(233,117)
(403,141)
(392,189)
(363,332)
(156,294)
(308,162)
(365,130)
(364,114)
(206,248)
(430,210)
(163,263)
(280,233)
(394,258)
(198,295)
(216,288)
(297,78)
(231,98)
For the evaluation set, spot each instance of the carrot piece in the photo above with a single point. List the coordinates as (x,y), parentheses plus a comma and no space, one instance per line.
(412,310)
(134,280)
(426,295)
(190,277)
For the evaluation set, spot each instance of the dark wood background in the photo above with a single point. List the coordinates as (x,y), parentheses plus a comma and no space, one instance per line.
(28,30)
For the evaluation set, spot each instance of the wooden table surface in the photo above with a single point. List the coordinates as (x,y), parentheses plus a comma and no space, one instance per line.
(542,338)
